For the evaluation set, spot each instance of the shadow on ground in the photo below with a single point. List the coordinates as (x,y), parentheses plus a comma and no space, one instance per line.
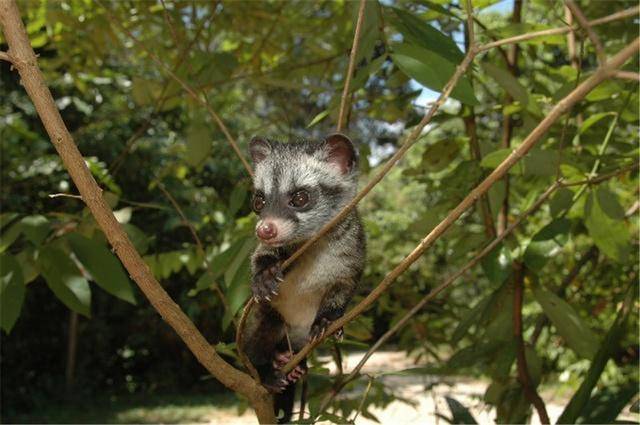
(143,409)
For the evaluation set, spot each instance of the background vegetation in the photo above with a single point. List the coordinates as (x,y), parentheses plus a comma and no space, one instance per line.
(76,328)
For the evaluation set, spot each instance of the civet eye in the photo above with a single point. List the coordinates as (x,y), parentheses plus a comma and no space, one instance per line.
(299,199)
(258,202)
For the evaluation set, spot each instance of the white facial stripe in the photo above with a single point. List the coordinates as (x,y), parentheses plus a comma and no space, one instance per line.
(263,178)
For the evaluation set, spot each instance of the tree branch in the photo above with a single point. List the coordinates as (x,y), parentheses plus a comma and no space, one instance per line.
(633,11)
(521,360)
(584,23)
(352,64)
(436,291)
(33,81)
(601,74)
(410,141)
(6,57)
(627,75)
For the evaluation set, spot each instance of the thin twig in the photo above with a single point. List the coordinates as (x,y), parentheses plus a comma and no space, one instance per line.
(352,65)
(216,118)
(562,30)
(600,75)
(521,360)
(603,177)
(627,75)
(64,195)
(240,341)
(5,56)
(584,23)
(199,245)
(364,398)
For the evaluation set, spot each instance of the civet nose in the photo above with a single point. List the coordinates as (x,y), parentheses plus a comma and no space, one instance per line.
(267,230)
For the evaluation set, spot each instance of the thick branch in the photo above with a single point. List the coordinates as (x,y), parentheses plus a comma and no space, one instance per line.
(34,83)
(521,360)
(601,74)
(352,64)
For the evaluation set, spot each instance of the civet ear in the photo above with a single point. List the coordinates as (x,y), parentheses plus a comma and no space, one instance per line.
(340,152)
(259,149)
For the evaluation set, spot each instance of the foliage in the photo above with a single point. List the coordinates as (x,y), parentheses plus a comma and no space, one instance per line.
(277,69)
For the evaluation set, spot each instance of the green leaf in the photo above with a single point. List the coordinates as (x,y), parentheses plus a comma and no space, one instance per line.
(541,163)
(470,318)
(65,280)
(418,32)
(593,119)
(238,195)
(578,403)
(35,228)
(103,266)
(198,143)
(461,414)
(12,291)
(610,235)
(534,364)
(561,200)
(438,8)
(547,243)
(495,158)
(6,218)
(607,403)
(497,264)
(508,82)
(568,322)
(431,70)
(238,291)
(322,115)
(238,260)
(26,259)
(439,155)
(608,201)
(139,240)
(10,235)
(370,28)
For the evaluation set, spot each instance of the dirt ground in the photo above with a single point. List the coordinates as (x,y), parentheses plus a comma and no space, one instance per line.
(429,402)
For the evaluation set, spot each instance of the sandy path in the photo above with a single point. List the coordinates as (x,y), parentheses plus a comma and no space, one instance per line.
(428,402)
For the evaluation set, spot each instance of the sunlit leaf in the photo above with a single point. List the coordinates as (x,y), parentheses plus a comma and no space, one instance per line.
(431,70)
(568,322)
(65,280)
(610,235)
(103,266)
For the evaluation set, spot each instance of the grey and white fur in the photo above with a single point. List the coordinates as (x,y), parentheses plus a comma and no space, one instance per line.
(299,187)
